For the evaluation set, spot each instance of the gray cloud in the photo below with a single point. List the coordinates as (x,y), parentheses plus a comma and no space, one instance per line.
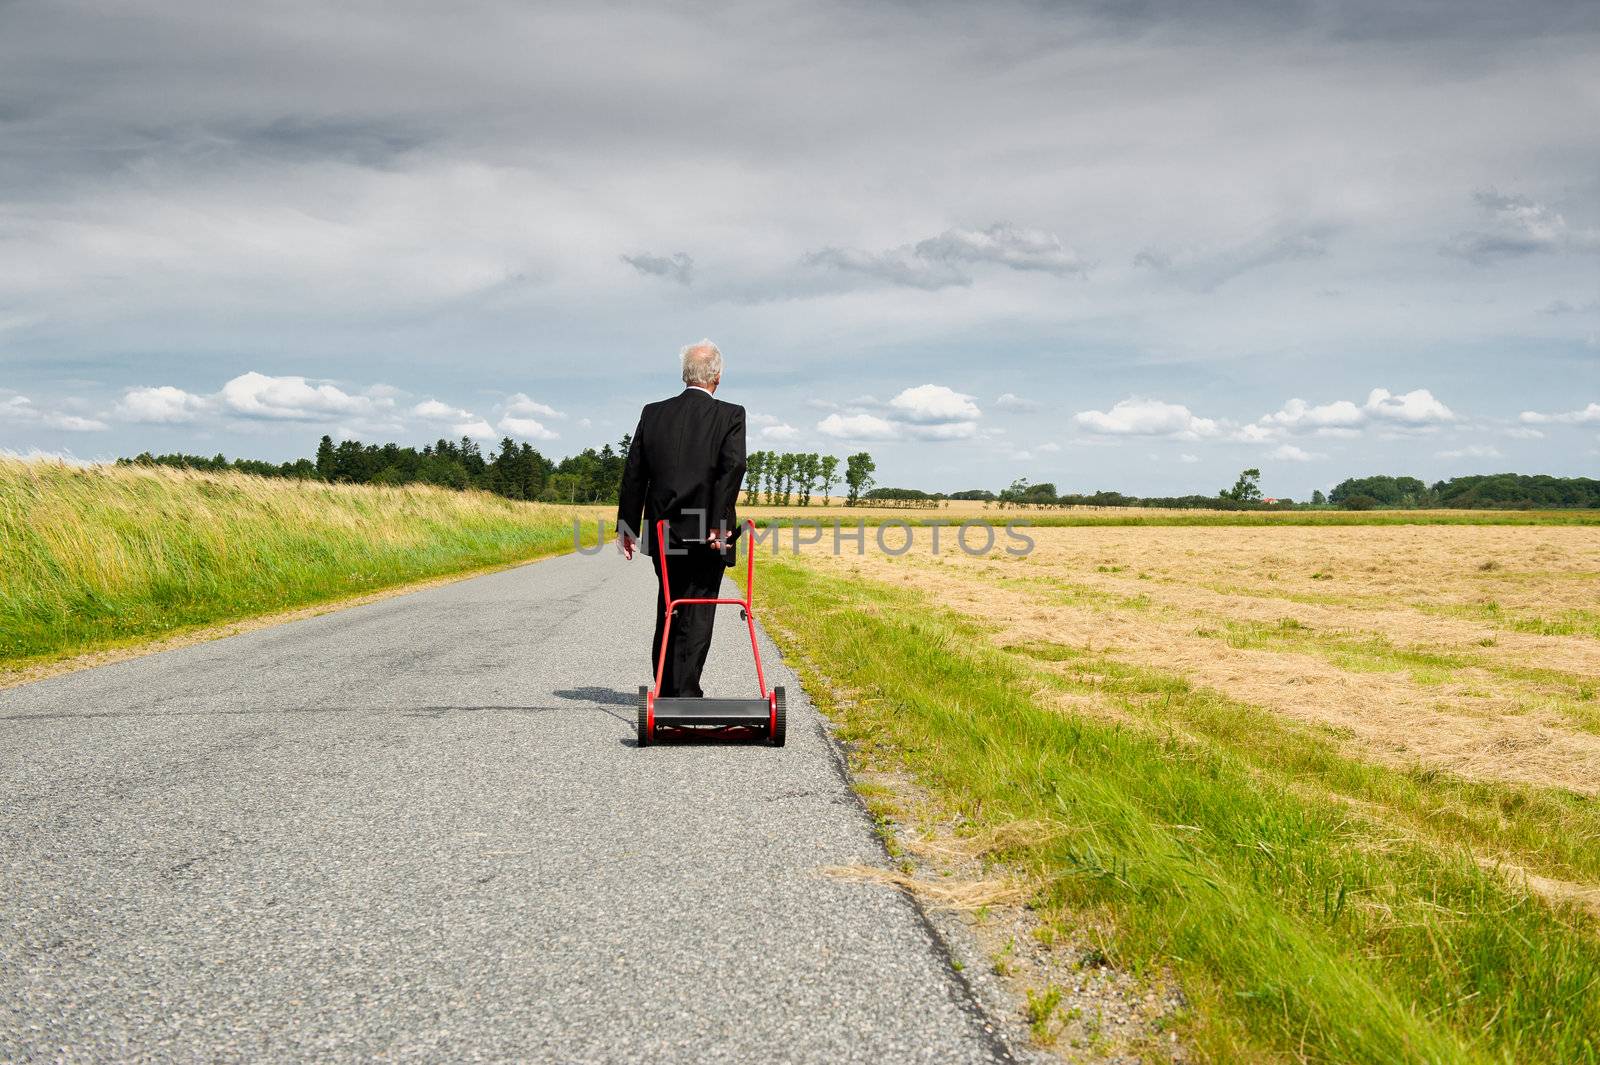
(945,260)
(1465,21)
(899,266)
(1205,271)
(1521,226)
(679,268)
(369,142)
(1559,307)
(1005,245)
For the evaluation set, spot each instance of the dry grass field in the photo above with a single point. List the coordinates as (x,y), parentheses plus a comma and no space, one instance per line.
(1474,649)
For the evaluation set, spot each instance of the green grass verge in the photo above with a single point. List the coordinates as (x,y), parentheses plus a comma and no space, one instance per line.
(102,557)
(1300,924)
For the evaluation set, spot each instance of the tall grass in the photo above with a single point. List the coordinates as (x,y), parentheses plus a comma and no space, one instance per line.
(94,557)
(1302,927)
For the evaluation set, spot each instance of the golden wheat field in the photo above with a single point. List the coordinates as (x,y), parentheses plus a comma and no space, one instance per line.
(1472,649)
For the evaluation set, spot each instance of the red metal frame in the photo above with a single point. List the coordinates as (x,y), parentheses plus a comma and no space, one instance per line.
(749,617)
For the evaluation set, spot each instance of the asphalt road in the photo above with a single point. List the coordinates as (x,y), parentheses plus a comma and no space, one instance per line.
(420,829)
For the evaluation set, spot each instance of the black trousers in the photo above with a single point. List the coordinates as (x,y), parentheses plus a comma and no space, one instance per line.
(696,573)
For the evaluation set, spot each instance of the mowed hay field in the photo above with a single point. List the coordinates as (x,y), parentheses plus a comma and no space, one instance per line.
(1467,648)
(103,557)
(957,511)
(1341,783)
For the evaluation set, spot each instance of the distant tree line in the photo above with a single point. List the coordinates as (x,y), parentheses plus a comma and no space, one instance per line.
(1477,491)
(514,470)
(519,471)
(1044,494)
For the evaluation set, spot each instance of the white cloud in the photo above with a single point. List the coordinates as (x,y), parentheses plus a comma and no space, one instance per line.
(74,424)
(434,410)
(34,454)
(1297,415)
(162,404)
(255,395)
(1290,453)
(1417,407)
(1049,447)
(1516,433)
(517,419)
(933,404)
(1147,417)
(21,408)
(1342,418)
(771,428)
(1587,416)
(782,431)
(857,427)
(520,404)
(924,412)
(258,396)
(1473,451)
(478,430)
(526,428)
(1013,402)
(946,431)
(1188,458)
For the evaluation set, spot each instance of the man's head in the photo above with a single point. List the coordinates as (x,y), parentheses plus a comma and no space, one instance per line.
(702,365)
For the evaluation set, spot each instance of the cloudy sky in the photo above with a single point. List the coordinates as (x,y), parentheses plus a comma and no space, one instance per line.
(1135,246)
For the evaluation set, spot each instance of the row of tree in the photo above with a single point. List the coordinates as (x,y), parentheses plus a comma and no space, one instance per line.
(519,471)
(514,470)
(779,478)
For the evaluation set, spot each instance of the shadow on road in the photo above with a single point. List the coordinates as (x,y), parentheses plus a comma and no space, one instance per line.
(603,696)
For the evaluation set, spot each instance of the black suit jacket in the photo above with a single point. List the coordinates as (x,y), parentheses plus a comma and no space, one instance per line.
(685,464)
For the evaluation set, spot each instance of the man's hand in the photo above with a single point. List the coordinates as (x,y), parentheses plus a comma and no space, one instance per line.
(625,545)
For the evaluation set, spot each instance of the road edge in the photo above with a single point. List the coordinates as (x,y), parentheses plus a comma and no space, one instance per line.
(960,957)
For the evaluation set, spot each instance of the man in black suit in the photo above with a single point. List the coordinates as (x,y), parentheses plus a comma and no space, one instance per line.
(685,465)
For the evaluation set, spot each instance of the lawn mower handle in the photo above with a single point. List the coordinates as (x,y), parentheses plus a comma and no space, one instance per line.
(749,595)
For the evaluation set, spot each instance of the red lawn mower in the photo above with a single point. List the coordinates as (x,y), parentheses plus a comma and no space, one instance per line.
(714,718)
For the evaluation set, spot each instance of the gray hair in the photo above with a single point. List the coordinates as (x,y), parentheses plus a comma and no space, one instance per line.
(702,363)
